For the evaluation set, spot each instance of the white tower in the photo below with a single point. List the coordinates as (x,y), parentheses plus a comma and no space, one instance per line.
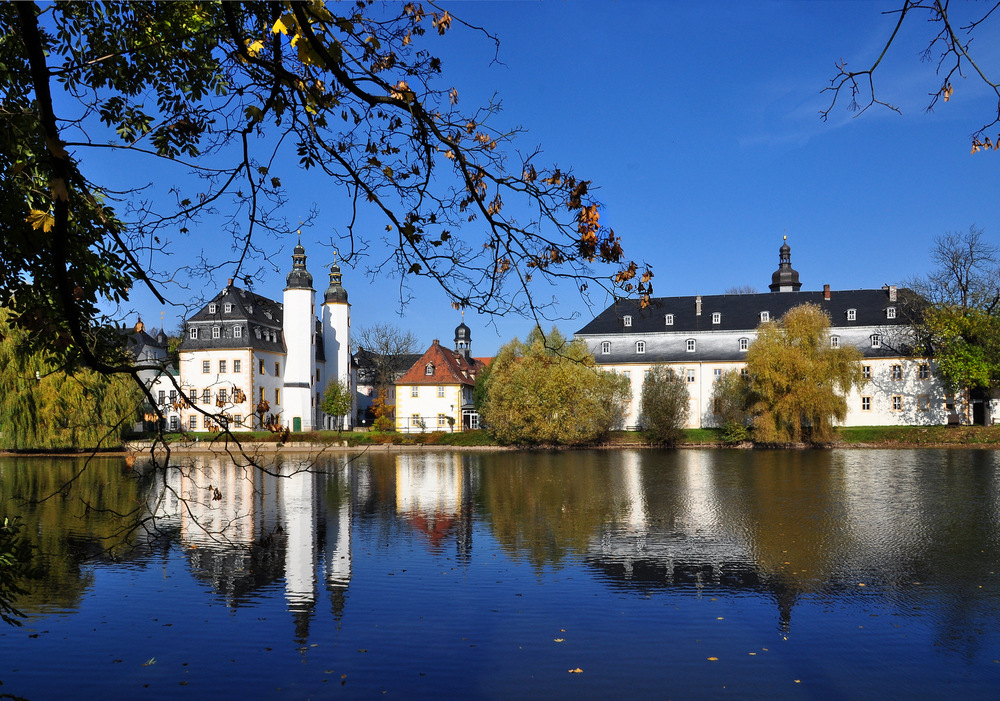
(300,359)
(337,339)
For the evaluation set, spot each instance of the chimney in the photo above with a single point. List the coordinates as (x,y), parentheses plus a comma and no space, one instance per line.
(697,305)
(826,292)
(892,293)
(435,342)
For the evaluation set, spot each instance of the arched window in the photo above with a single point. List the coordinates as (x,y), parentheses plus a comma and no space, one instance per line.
(237,332)
(890,313)
(765,316)
(640,346)
(429,369)
(668,319)
(691,345)
(876,340)
(627,320)
(834,341)
(744,343)
(852,314)
(216,332)
(605,347)
(716,317)
(193,332)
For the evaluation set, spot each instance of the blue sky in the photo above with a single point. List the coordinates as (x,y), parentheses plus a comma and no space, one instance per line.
(699,122)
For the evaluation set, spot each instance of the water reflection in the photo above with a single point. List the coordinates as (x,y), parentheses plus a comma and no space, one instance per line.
(918,529)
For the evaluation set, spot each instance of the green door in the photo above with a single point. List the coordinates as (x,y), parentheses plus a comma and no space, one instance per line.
(297,423)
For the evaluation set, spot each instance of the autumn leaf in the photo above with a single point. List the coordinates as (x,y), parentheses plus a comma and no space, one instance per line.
(575,671)
(40,220)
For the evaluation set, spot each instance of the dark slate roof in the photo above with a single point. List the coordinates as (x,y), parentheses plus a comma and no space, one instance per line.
(250,310)
(742,312)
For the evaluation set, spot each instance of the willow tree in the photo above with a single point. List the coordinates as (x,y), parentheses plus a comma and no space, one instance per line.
(547,391)
(44,407)
(798,383)
(238,96)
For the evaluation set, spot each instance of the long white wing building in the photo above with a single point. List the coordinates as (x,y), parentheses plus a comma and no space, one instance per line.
(702,337)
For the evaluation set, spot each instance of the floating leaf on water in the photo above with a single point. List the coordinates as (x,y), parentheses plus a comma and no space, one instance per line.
(713,659)
(575,671)
(560,640)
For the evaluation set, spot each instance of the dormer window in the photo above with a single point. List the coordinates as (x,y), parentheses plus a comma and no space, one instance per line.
(691,345)
(852,314)
(834,341)
(227,308)
(193,333)
(605,347)
(890,312)
(429,369)
(765,316)
(257,331)
(237,332)
(216,332)
(668,319)
(640,347)
(627,321)
(876,340)
(212,307)
(716,317)
(744,343)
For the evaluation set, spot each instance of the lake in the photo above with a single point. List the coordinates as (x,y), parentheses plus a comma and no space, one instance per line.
(580,574)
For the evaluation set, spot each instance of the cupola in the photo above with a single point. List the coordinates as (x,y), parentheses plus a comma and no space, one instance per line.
(299,277)
(335,293)
(785,279)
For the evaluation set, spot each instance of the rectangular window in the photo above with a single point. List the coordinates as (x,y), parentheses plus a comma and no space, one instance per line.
(222,367)
(206,396)
(897,402)
(227,307)
(716,317)
(261,368)
(924,371)
(193,332)
(237,365)
(744,343)
(440,390)
(215,332)
(442,420)
(237,420)
(415,420)
(627,320)
(668,319)
(923,402)
(744,372)
(627,374)
(173,396)
(690,375)
(866,404)
(890,313)
(866,371)
(897,372)
(605,347)
(193,422)
(193,396)
(852,314)
(876,340)
(834,341)
(261,395)
(277,396)
(717,374)
(162,398)
(414,391)
(237,332)
(223,396)
(640,346)
(173,423)
(691,345)
(277,369)
(765,316)
(212,308)
(206,366)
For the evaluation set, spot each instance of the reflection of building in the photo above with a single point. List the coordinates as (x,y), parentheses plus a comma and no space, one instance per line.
(435,394)
(702,337)
(434,494)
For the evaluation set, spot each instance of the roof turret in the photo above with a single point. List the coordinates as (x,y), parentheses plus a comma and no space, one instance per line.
(299,277)
(335,293)
(785,278)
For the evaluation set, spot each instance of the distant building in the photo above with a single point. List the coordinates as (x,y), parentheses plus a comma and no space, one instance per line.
(159,375)
(702,337)
(366,364)
(256,361)
(435,394)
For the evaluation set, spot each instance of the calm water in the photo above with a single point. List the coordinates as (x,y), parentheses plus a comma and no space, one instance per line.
(688,574)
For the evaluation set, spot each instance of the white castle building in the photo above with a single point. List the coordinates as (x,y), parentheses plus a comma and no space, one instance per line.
(256,362)
(702,337)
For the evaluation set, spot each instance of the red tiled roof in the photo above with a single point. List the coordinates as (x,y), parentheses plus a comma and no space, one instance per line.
(449,368)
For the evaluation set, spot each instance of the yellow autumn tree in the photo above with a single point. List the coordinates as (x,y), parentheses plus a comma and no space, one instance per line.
(798,383)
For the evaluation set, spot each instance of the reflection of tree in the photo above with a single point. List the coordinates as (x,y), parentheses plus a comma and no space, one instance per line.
(542,509)
(69,526)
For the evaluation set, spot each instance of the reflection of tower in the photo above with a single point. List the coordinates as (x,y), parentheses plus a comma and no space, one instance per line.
(298,507)
(337,551)
(633,489)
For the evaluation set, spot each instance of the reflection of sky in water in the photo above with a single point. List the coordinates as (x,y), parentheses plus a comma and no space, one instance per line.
(667,559)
